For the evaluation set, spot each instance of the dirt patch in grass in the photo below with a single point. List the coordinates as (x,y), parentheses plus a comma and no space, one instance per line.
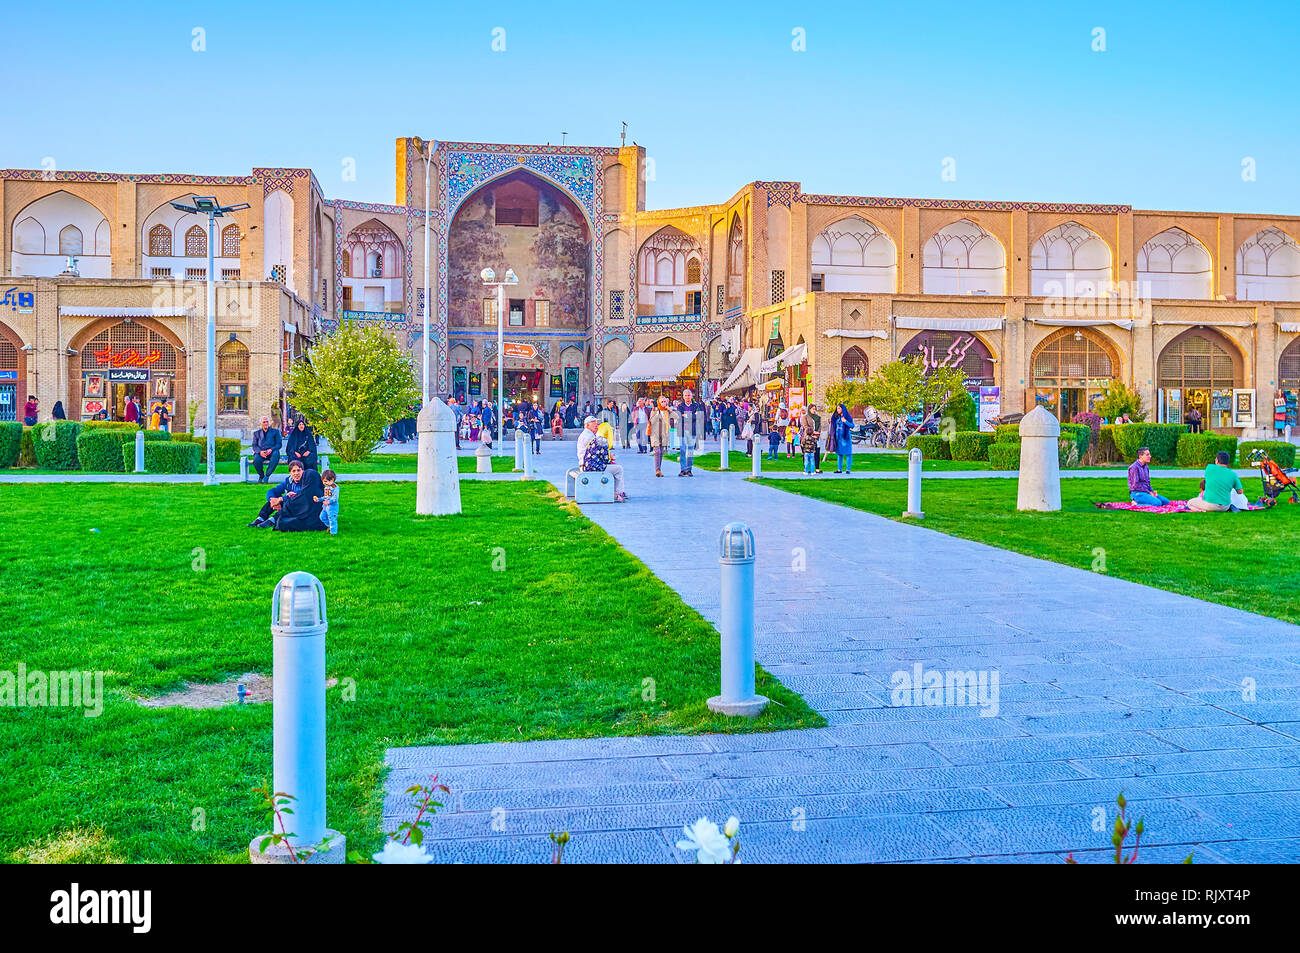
(257,688)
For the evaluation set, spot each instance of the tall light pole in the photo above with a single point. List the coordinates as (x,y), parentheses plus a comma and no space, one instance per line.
(489,279)
(427,156)
(208,204)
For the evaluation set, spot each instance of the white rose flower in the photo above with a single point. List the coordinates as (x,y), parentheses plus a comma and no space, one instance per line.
(707,841)
(395,853)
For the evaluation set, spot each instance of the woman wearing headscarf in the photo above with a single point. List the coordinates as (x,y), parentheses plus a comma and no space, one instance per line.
(842,434)
(302,445)
(58,413)
(657,429)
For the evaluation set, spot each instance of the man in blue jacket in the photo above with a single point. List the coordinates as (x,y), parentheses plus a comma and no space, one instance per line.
(276,497)
(266,450)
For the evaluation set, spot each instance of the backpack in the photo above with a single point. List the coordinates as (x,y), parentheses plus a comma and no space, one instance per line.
(596,457)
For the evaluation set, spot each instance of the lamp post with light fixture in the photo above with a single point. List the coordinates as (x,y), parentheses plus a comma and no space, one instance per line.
(208,205)
(427,155)
(489,280)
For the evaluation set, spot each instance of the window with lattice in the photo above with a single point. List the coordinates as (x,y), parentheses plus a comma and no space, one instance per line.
(853,364)
(778,286)
(1068,358)
(160,241)
(693,271)
(278,273)
(232,377)
(617,307)
(196,243)
(230,241)
(1196,361)
(722,299)
(1288,366)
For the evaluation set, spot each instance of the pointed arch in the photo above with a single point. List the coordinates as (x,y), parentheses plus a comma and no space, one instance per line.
(196,242)
(49,228)
(854,254)
(1069,260)
(1176,264)
(963,257)
(854,364)
(1268,267)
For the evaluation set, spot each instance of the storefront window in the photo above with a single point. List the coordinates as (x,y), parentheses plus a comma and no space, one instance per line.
(1196,371)
(1071,371)
(232,377)
(128,360)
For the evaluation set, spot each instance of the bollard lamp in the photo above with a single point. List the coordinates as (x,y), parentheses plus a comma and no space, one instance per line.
(736,624)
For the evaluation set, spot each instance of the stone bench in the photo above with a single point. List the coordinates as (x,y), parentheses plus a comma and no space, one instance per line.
(584,486)
(246,465)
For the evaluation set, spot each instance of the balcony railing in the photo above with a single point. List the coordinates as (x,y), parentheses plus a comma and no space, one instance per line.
(667,318)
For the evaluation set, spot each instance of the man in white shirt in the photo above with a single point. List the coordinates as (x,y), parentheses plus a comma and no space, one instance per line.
(613,469)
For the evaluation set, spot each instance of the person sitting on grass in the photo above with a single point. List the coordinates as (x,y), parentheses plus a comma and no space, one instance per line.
(1220,481)
(293,504)
(1139,481)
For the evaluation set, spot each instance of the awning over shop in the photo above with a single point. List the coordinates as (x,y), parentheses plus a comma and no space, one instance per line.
(1206,324)
(855,333)
(795,354)
(1125,323)
(647,367)
(745,374)
(70,311)
(948,324)
(1288,327)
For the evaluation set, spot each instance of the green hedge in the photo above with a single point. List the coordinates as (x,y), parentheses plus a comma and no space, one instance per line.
(933,447)
(11,442)
(1004,456)
(164,457)
(1081,434)
(55,444)
(1283,453)
(963,411)
(228,448)
(1006,433)
(970,445)
(1199,449)
(101,449)
(27,452)
(1161,438)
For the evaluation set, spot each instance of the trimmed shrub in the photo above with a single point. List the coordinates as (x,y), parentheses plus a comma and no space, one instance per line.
(101,449)
(961,408)
(1004,456)
(970,445)
(1283,453)
(1093,423)
(933,447)
(228,448)
(27,452)
(11,442)
(1107,452)
(163,457)
(1161,438)
(1006,433)
(55,444)
(1080,435)
(1200,449)
(1067,452)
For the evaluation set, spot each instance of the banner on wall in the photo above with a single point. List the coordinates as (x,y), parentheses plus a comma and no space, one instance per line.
(557,386)
(796,397)
(475,384)
(571,381)
(990,407)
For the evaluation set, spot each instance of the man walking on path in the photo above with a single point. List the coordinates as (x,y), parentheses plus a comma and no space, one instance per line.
(691,415)
(1139,481)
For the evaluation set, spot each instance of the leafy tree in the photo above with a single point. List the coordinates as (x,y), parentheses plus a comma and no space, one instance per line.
(1120,399)
(848,393)
(963,411)
(900,387)
(352,384)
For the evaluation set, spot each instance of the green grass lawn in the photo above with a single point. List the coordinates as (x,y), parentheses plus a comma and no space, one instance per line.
(162,585)
(378,463)
(861,461)
(1246,560)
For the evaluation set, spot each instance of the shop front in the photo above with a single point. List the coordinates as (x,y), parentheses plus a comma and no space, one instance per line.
(1197,372)
(1286,400)
(128,359)
(1071,370)
(11,374)
(662,370)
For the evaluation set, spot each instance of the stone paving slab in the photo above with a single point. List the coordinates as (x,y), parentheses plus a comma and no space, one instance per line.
(1104,685)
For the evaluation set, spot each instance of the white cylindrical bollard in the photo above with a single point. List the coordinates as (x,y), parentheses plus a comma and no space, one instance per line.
(736,623)
(756,460)
(528,457)
(1039,484)
(519,449)
(298,625)
(437,488)
(914,484)
(243,468)
(724,448)
(139,451)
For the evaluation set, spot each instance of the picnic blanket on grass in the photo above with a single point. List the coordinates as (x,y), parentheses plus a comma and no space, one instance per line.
(1173,506)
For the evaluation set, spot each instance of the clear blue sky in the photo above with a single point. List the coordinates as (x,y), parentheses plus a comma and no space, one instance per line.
(1162,119)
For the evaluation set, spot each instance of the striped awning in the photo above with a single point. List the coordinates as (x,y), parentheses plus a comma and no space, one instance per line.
(794,354)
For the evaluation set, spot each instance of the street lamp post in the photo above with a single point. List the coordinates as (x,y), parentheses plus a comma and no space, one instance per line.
(427,156)
(208,204)
(489,280)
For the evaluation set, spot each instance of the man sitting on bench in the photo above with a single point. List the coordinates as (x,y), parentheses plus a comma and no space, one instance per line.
(266,450)
(594,455)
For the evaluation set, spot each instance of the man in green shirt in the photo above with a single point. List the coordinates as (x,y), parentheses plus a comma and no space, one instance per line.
(1220,481)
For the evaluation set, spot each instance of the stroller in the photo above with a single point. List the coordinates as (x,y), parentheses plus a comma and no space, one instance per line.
(1275,479)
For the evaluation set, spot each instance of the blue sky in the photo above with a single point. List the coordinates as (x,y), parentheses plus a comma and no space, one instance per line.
(1163,118)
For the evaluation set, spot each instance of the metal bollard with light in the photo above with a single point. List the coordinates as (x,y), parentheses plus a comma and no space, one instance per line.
(519,449)
(736,623)
(139,451)
(299,624)
(914,484)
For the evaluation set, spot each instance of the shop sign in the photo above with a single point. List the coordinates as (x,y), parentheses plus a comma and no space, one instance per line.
(796,397)
(128,358)
(515,349)
(953,358)
(557,386)
(8,375)
(23,302)
(128,375)
(990,407)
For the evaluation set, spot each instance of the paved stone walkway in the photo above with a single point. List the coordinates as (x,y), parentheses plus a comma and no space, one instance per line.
(1104,686)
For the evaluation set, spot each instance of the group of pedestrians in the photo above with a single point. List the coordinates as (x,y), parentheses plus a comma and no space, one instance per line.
(306,499)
